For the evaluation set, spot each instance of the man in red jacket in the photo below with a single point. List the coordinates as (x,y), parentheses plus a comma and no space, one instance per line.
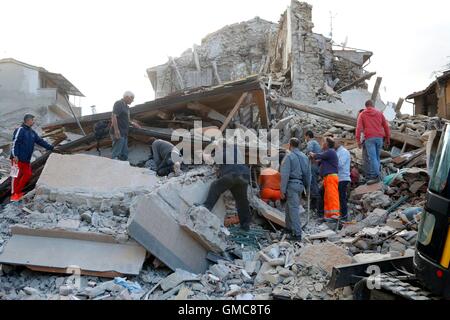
(375,128)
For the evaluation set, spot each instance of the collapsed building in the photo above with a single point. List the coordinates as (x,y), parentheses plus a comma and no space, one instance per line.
(308,66)
(110,219)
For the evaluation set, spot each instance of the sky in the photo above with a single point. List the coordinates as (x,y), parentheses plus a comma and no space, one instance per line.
(105,46)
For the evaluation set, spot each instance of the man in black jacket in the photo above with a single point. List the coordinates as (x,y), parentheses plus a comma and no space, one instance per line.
(233,176)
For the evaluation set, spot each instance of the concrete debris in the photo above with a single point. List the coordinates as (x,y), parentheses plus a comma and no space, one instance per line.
(325,256)
(107,205)
(83,180)
(176,278)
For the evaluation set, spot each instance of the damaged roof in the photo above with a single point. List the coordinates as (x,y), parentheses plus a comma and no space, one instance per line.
(443,77)
(220,98)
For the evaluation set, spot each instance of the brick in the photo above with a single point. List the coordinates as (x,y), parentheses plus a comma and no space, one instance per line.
(359,192)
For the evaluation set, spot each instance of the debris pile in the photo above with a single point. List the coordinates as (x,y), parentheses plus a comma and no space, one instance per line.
(150,236)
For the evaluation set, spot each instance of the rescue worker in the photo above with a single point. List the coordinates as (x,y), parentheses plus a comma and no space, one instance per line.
(234,176)
(295,177)
(329,169)
(24,139)
(344,177)
(313,146)
(166,156)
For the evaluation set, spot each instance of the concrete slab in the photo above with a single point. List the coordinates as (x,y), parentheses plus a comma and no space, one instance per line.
(38,250)
(152,225)
(74,176)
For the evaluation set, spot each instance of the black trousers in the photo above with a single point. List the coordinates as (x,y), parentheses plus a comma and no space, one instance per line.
(343,190)
(238,186)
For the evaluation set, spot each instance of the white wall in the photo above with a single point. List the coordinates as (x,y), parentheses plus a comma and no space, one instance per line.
(20,89)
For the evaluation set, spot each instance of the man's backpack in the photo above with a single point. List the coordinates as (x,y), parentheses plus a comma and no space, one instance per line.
(101,131)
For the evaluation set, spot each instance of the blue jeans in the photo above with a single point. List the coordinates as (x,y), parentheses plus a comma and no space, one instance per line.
(120,149)
(373,147)
(294,208)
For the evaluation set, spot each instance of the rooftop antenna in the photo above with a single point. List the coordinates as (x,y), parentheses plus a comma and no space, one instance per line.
(94,109)
(331,23)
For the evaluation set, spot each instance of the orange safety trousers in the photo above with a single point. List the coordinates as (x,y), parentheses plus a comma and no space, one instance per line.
(332,208)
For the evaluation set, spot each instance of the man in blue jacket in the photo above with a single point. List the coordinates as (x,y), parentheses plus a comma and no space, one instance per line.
(24,139)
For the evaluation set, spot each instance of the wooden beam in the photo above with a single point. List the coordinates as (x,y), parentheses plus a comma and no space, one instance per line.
(401,137)
(234,111)
(196,59)
(338,117)
(216,72)
(356,82)
(75,117)
(376,89)
(398,107)
(207,111)
(395,135)
(178,74)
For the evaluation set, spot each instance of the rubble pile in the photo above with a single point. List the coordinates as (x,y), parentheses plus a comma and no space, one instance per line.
(172,246)
(417,125)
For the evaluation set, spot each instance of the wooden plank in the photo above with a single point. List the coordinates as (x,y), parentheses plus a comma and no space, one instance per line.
(376,89)
(233,111)
(398,107)
(291,103)
(106,274)
(52,133)
(216,72)
(401,137)
(177,72)
(356,82)
(207,111)
(259,97)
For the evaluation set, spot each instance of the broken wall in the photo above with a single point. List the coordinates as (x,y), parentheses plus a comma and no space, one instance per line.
(231,53)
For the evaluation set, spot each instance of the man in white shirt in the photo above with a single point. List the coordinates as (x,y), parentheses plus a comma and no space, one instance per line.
(344,177)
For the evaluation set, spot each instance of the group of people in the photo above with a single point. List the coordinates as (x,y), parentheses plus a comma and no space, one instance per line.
(299,171)
(330,162)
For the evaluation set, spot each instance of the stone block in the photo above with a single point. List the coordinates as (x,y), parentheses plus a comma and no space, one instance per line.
(152,225)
